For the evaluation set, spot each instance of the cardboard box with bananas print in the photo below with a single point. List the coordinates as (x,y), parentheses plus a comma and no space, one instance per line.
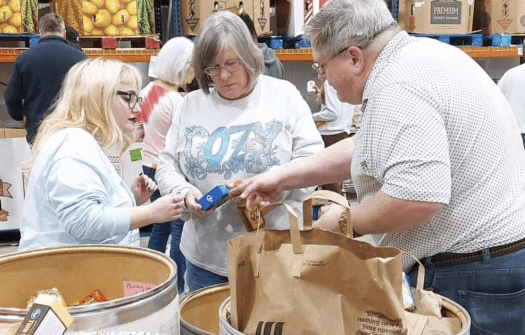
(18,16)
(108,17)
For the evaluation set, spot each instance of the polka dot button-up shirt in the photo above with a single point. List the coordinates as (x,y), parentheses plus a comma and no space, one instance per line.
(436,128)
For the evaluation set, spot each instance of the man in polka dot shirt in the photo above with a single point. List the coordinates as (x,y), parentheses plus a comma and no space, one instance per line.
(437,163)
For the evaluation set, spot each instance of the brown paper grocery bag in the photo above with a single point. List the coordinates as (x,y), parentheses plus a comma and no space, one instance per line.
(428,318)
(313,282)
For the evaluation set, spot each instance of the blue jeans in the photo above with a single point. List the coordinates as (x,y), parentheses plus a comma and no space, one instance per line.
(160,234)
(491,290)
(198,278)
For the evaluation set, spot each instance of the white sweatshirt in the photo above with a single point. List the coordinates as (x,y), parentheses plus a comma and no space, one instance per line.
(213,141)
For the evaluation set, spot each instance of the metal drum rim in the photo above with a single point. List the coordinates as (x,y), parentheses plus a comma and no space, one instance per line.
(161,295)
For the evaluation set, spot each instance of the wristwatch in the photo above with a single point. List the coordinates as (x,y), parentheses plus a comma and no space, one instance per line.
(343,226)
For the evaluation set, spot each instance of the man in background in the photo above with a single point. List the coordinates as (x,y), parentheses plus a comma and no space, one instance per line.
(38,74)
(512,84)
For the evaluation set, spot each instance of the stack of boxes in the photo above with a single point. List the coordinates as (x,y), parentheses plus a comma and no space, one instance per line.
(462,16)
(108,17)
(18,16)
(194,12)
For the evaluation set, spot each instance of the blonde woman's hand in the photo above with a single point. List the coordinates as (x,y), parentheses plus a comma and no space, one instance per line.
(142,188)
(194,207)
(166,208)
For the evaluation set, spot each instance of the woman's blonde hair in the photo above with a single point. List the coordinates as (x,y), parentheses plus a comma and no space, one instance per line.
(85,101)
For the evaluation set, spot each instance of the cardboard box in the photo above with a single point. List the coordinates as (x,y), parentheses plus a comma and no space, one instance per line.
(505,16)
(108,17)
(195,12)
(436,16)
(19,16)
(291,16)
(14,133)
(47,316)
(15,154)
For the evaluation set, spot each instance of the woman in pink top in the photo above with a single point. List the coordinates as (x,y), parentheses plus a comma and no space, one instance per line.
(173,71)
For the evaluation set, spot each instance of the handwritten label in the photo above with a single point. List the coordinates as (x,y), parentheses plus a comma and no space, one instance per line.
(133,287)
(135,154)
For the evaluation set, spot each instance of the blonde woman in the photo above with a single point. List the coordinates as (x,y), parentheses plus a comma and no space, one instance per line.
(74,194)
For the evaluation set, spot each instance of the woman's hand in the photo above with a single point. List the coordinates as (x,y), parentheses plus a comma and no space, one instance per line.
(142,188)
(194,207)
(166,208)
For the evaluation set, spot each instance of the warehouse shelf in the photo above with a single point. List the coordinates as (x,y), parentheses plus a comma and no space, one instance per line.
(305,55)
(140,55)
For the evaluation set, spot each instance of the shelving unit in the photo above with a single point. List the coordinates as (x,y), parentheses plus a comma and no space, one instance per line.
(140,55)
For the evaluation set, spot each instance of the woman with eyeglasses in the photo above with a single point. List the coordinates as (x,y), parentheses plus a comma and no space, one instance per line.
(161,97)
(74,193)
(239,124)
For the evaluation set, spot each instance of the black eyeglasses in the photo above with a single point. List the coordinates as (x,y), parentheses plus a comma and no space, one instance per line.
(133,99)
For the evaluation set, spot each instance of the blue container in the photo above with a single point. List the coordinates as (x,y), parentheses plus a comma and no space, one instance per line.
(276,43)
(214,198)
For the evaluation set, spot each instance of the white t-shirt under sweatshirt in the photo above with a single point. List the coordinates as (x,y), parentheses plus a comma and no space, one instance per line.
(213,141)
(338,115)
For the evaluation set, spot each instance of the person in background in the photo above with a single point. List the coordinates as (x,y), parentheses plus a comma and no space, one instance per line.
(437,163)
(38,74)
(72,38)
(161,97)
(239,124)
(273,66)
(74,194)
(333,121)
(512,85)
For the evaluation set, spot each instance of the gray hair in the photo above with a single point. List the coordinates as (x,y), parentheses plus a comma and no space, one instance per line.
(51,23)
(174,60)
(342,23)
(219,31)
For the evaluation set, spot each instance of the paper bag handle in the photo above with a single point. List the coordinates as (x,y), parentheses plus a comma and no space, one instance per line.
(294,225)
(295,237)
(326,195)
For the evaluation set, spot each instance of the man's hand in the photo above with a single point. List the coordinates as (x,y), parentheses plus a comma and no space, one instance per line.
(260,190)
(330,219)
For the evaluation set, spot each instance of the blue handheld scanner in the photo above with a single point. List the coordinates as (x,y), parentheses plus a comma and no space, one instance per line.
(214,198)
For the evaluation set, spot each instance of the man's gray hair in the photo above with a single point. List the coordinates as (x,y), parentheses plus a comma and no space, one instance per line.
(51,23)
(219,31)
(343,23)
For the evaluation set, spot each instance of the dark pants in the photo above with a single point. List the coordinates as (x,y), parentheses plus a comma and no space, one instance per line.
(162,231)
(492,291)
(199,278)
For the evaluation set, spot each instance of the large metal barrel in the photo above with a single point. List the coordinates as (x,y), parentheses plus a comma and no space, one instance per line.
(450,309)
(78,270)
(199,310)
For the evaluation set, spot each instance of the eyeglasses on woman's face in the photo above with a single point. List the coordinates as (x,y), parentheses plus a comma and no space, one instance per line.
(132,98)
(231,66)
